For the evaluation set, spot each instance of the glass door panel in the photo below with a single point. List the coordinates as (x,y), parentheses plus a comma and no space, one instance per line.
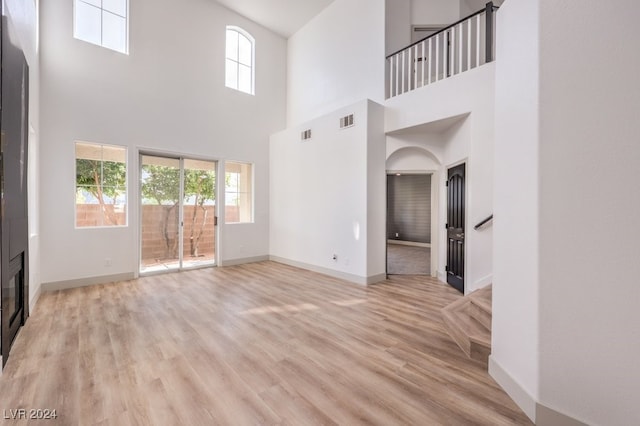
(199,200)
(160,196)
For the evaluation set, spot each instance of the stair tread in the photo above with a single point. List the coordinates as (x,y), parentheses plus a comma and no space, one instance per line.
(483,339)
(482,298)
(474,330)
(480,315)
(482,303)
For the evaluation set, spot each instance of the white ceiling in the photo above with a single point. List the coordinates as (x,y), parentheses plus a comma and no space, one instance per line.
(285,17)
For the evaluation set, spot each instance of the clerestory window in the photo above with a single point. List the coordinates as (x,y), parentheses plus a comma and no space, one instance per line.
(240,59)
(102,22)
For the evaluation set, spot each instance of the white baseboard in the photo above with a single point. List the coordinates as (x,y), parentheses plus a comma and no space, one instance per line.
(546,416)
(242,261)
(408,243)
(83,282)
(539,414)
(478,284)
(357,279)
(520,396)
(34,299)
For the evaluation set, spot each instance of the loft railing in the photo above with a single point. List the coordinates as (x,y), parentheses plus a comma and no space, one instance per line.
(466,44)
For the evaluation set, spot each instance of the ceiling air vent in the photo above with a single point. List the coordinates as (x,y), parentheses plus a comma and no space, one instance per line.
(346,121)
(306,135)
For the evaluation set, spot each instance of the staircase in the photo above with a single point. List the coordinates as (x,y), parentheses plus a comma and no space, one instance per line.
(468,321)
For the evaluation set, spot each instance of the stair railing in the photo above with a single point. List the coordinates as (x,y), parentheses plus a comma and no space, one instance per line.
(483,222)
(463,45)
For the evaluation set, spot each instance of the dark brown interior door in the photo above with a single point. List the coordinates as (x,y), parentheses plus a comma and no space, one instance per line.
(455,227)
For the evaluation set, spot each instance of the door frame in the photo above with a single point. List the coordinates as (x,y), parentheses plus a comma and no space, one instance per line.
(140,151)
(435,217)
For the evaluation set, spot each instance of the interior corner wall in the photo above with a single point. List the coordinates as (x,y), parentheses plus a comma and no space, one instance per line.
(515,339)
(471,141)
(467,7)
(167,95)
(24,18)
(397,25)
(589,209)
(336,59)
(320,191)
(376,192)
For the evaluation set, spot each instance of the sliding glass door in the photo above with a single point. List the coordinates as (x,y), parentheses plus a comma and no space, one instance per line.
(199,212)
(177,220)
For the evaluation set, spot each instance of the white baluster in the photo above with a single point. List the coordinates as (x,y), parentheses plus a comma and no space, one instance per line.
(437,56)
(469,21)
(452,54)
(404,70)
(410,60)
(430,60)
(391,77)
(478,40)
(460,47)
(415,67)
(424,59)
(397,74)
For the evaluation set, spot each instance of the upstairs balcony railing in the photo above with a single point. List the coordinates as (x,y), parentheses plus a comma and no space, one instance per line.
(466,44)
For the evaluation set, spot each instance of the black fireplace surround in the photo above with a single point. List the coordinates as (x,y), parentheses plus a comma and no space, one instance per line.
(14,229)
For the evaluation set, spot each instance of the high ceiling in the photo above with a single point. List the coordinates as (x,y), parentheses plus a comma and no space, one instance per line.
(284,17)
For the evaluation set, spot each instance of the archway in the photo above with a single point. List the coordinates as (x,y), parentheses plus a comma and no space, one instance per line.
(412,209)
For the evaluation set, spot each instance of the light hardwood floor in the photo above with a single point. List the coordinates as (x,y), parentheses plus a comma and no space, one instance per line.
(262,343)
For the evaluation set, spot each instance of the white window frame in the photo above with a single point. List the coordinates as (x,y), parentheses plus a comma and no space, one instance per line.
(102,12)
(250,194)
(251,39)
(126,189)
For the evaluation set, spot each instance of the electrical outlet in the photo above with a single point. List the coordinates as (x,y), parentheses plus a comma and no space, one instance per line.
(397,235)
(107,261)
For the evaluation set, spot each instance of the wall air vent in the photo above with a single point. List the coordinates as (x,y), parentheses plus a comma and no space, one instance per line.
(346,121)
(306,135)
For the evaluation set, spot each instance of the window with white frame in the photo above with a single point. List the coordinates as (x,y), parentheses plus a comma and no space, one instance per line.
(240,58)
(101,185)
(238,189)
(102,22)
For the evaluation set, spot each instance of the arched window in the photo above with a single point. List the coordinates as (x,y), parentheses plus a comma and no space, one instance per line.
(240,60)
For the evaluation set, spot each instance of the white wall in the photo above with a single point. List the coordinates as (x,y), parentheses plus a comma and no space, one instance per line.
(589,209)
(337,59)
(168,94)
(467,7)
(397,25)
(24,21)
(460,109)
(565,340)
(328,195)
(515,340)
(434,12)
(376,192)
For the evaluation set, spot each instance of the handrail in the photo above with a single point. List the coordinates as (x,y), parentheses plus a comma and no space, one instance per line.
(483,222)
(489,5)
